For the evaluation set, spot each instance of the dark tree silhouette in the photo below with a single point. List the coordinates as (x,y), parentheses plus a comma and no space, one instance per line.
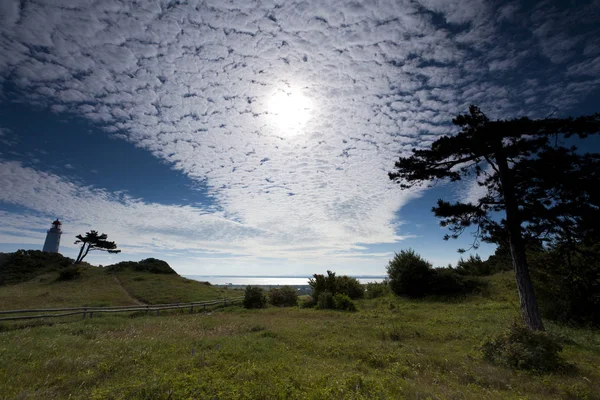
(93,241)
(542,190)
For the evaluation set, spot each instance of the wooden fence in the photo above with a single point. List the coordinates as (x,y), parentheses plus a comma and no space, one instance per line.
(90,311)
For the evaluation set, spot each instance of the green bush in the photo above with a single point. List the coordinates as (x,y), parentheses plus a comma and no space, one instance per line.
(325,301)
(409,274)
(254,297)
(475,266)
(343,302)
(69,274)
(568,286)
(374,289)
(325,287)
(152,265)
(23,265)
(521,348)
(349,286)
(285,296)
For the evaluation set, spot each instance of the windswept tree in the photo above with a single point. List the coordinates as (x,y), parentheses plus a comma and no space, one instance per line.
(93,241)
(535,189)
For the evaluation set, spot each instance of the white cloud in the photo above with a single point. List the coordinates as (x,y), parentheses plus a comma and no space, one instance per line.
(191,83)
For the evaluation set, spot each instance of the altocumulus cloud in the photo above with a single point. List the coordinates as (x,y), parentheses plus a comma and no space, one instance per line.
(191,82)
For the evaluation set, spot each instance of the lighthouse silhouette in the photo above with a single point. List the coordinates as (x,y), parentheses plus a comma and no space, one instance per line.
(53,237)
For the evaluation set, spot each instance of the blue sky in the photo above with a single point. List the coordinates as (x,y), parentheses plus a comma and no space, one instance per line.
(251,137)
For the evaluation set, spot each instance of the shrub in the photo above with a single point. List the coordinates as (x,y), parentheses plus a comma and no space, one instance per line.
(409,274)
(521,348)
(349,286)
(69,274)
(254,297)
(325,301)
(285,296)
(23,265)
(374,290)
(152,265)
(343,302)
(332,285)
(308,302)
(474,266)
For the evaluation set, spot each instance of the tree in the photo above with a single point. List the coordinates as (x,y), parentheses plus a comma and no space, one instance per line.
(543,190)
(93,241)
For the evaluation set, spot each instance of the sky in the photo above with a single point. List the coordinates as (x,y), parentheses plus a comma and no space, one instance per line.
(255,137)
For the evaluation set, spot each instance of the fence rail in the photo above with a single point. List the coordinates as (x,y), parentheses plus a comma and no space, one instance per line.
(89,311)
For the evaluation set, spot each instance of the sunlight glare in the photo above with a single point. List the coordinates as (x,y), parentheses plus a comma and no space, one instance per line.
(290,111)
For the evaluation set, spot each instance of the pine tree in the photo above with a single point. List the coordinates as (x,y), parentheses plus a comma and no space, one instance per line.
(93,241)
(536,189)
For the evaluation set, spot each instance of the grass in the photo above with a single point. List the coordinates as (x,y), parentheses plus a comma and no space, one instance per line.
(165,288)
(96,288)
(391,348)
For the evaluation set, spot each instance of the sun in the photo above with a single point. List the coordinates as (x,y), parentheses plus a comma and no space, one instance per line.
(290,110)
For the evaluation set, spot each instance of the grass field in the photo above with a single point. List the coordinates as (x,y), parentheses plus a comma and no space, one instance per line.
(391,348)
(96,288)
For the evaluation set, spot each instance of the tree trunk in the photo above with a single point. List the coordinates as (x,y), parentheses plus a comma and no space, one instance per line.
(79,258)
(529,308)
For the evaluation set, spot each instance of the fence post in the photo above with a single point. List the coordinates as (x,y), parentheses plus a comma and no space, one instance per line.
(157,312)
(191,309)
(84,310)
(225,301)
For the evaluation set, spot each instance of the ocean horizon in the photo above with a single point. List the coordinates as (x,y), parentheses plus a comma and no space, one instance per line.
(264,280)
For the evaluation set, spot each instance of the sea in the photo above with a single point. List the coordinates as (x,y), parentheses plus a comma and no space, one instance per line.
(270,280)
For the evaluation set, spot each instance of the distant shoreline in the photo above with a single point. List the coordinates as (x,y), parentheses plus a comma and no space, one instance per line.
(270,280)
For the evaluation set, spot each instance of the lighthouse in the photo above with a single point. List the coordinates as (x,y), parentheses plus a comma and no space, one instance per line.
(53,237)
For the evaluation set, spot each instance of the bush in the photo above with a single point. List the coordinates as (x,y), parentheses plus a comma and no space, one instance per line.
(474,266)
(325,301)
(349,286)
(69,274)
(343,302)
(285,296)
(325,287)
(409,274)
(254,297)
(374,290)
(568,286)
(521,348)
(23,265)
(152,265)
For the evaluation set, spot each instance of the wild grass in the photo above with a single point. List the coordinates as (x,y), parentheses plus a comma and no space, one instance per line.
(163,288)
(391,348)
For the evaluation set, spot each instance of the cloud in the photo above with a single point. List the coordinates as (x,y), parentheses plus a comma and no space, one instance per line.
(190,82)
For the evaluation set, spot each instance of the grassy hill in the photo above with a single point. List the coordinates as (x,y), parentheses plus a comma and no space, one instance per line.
(391,348)
(39,285)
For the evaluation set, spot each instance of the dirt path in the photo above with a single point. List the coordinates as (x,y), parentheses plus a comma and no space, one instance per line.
(133,299)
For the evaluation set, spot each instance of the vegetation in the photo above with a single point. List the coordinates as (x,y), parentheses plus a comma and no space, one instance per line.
(412,276)
(285,296)
(545,191)
(152,265)
(392,347)
(521,348)
(94,241)
(255,297)
(326,288)
(35,282)
(24,265)
(374,289)
(69,273)
(568,285)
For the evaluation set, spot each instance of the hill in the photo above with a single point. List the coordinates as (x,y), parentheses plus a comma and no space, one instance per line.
(392,348)
(33,280)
